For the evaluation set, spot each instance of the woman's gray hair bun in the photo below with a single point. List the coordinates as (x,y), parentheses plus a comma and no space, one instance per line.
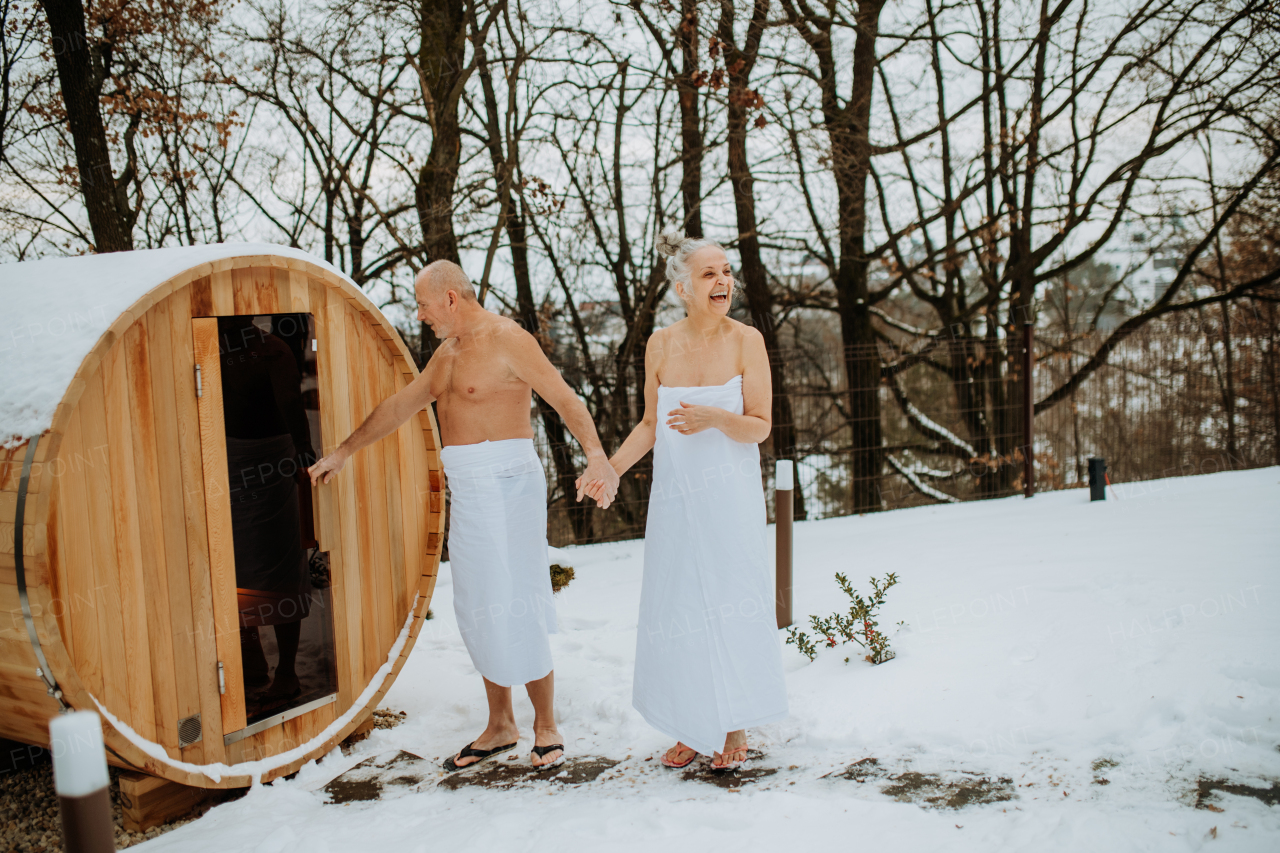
(677,248)
(669,243)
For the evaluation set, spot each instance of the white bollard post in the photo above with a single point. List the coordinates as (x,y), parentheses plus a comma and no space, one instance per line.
(81,781)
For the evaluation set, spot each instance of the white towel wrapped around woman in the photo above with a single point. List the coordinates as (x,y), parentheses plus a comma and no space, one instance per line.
(498,555)
(708,657)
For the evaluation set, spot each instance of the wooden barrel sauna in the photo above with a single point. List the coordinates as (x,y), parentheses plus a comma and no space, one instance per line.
(228,620)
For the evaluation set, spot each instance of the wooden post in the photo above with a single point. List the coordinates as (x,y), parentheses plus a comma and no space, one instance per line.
(784,514)
(1029,408)
(81,781)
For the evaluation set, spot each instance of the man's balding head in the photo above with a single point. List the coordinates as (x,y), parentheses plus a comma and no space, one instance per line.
(439,277)
(446,300)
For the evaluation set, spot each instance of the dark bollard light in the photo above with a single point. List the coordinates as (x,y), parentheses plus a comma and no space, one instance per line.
(1097,479)
(80,778)
(784,513)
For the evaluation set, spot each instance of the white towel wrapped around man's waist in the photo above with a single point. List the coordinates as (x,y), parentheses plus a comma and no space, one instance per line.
(498,556)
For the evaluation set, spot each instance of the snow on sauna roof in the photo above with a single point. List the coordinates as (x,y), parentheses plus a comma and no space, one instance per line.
(53,311)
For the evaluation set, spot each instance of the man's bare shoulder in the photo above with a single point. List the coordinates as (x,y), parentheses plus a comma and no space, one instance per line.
(495,329)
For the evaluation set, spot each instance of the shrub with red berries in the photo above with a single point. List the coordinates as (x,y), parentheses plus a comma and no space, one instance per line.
(858,626)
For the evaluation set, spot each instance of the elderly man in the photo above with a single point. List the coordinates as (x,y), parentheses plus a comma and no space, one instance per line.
(482,378)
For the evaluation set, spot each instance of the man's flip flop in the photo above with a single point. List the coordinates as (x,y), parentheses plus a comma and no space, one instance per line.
(451,763)
(541,752)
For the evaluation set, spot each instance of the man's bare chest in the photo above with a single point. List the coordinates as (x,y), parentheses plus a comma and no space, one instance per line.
(476,377)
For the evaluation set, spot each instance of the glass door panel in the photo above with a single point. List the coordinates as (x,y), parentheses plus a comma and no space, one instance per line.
(266,378)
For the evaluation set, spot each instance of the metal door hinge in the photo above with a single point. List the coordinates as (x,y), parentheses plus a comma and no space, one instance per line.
(199,383)
(222,679)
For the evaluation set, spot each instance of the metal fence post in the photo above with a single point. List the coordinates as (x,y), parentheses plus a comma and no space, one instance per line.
(784,515)
(1029,408)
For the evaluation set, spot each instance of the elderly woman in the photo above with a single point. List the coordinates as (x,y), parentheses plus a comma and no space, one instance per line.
(708,660)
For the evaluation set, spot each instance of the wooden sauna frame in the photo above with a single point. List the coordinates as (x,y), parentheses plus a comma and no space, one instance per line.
(124,559)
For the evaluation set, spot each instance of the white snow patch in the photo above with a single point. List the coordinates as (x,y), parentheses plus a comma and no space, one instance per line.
(939,428)
(56,309)
(1043,635)
(921,485)
(256,769)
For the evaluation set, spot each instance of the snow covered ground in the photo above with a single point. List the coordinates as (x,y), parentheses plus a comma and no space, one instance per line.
(1051,642)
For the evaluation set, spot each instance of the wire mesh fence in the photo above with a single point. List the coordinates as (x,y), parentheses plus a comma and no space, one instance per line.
(945,420)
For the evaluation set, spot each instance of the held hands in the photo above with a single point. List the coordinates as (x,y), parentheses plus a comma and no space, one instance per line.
(687,419)
(328,467)
(599,482)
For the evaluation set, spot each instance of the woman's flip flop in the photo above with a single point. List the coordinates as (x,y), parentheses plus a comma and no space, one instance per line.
(451,764)
(676,766)
(541,752)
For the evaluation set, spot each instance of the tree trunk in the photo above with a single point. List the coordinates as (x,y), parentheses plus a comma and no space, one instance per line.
(552,424)
(1272,360)
(687,82)
(517,236)
(739,61)
(1229,391)
(105,198)
(442,51)
(849,128)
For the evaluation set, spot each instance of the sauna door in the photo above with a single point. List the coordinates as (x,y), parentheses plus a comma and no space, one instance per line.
(259,405)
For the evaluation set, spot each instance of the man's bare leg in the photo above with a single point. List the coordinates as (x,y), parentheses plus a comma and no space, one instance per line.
(542,693)
(502,722)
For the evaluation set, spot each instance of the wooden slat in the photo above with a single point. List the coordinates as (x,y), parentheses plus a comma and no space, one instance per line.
(58,584)
(80,594)
(411,514)
(396,516)
(329,530)
(32,540)
(35,568)
(299,290)
(93,420)
(255,291)
(199,576)
(198,297)
(270,742)
(222,560)
(129,558)
(222,292)
(336,312)
(388,550)
(146,453)
(173,530)
(363,465)
(301,729)
(362,481)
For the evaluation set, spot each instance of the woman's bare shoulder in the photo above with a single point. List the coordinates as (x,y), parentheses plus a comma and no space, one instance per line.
(661,339)
(745,335)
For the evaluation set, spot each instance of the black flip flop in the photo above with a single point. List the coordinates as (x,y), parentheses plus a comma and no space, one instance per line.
(541,752)
(479,754)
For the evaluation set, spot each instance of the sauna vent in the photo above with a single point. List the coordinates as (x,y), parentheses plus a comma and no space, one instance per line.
(189,731)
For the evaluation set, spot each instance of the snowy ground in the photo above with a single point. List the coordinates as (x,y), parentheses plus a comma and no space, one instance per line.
(1053,643)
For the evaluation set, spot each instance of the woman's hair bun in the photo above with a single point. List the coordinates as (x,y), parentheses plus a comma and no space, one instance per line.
(669,242)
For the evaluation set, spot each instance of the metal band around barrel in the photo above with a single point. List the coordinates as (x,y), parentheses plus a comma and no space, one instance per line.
(19,516)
